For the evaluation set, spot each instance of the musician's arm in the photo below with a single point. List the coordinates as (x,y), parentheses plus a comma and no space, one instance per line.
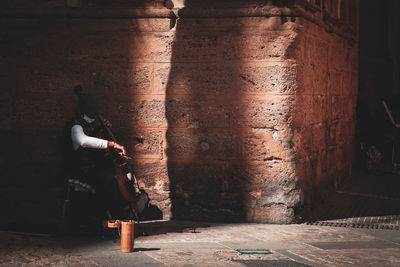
(79,138)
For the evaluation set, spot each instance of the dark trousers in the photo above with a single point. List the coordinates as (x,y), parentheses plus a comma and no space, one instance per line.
(107,191)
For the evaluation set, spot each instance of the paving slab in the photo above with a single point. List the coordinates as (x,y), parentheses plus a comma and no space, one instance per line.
(179,245)
(271,263)
(124,260)
(351,257)
(354,245)
(266,245)
(388,235)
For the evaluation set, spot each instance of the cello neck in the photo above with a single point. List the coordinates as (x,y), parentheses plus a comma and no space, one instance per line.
(110,134)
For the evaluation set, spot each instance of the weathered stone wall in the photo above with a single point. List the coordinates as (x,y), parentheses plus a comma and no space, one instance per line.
(326,102)
(229,101)
(239,116)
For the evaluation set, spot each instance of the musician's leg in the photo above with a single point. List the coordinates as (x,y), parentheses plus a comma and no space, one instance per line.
(109,193)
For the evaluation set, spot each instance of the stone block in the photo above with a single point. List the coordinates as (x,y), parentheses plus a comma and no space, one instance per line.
(152,174)
(137,25)
(219,112)
(189,47)
(265,46)
(267,79)
(237,180)
(332,161)
(32,151)
(304,54)
(335,82)
(279,214)
(193,78)
(202,111)
(253,175)
(349,107)
(287,192)
(123,79)
(181,144)
(152,47)
(332,132)
(51,76)
(302,141)
(144,112)
(115,46)
(195,184)
(320,135)
(304,169)
(337,62)
(320,167)
(303,111)
(270,112)
(314,79)
(347,88)
(182,112)
(143,143)
(220,78)
(352,58)
(319,53)
(95,46)
(32,112)
(163,78)
(266,144)
(341,154)
(247,24)
(148,24)
(153,177)
(203,143)
(354,82)
(335,107)
(319,109)
(261,185)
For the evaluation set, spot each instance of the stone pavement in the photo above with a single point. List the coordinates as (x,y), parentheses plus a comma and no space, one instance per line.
(366,201)
(180,243)
(369,208)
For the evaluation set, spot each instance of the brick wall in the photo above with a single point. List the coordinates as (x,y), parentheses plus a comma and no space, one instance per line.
(242,114)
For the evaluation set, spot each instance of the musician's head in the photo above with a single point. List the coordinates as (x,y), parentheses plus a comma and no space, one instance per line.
(86,105)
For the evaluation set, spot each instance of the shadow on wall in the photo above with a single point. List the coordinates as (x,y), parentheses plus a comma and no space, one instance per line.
(201,109)
(43,58)
(122,80)
(48,57)
(229,104)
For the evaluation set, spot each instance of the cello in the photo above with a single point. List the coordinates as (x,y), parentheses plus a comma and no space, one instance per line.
(126,180)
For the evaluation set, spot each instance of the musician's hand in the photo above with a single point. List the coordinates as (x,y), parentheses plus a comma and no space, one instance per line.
(117,148)
(107,123)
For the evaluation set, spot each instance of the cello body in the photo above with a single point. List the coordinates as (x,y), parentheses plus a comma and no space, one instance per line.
(126,180)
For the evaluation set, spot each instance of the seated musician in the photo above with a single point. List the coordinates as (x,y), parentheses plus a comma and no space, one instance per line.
(87,155)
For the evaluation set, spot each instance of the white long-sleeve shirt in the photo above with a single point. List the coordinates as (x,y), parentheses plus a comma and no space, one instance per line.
(79,138)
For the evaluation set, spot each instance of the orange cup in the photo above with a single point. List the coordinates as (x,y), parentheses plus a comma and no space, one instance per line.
(127,235)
